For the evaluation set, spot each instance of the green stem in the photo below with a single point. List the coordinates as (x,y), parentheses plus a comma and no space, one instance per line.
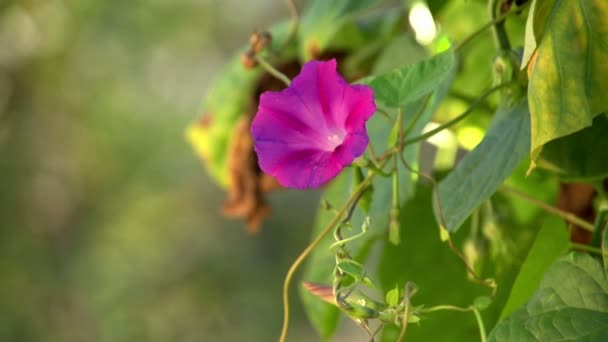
(587,248)
(501,39)
(548,208)
(459,118)
(410,290)
(295,23)
(385,114)
(342,242)
(296,264)
(394,234)
(372,156)
(458,95)
(598,227)
(272,70)
(408,130)
(481,30)
(445,308)
(482,328)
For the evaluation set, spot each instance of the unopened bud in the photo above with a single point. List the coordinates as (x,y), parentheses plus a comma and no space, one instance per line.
(248,60)
(254,39)
(326,205)
(259,41)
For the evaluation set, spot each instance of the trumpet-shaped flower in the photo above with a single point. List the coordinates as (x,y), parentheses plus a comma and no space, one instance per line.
(307,133)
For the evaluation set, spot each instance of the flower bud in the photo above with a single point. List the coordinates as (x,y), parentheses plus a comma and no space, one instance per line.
(248,60)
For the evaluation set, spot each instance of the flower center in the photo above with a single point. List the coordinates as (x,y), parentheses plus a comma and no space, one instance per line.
(334,140)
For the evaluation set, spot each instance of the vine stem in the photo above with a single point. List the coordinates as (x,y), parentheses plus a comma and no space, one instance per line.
(480,324)
(587,248)
(460,117)
(551,209)
(482,327)
(410,290)
(408,130)
(481,30)
(501,39)
(445,308)
(296,264)
(599,226)
(295,20)
(272,70)
(446,125)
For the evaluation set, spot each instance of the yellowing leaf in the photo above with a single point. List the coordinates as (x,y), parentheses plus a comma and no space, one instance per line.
(568,80)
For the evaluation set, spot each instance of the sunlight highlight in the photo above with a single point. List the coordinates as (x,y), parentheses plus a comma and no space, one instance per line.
(423,23)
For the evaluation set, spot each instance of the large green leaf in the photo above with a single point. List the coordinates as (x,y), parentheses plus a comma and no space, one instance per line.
(578,156)
(427,261)
(411,82)
(483,170)
(323,19)
(571,304)
(551,242)
(568,81)
(402,50)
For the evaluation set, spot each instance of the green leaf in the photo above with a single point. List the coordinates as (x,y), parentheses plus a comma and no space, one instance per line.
(408,83)
(481,303)
(483,170)
(425,260)
(392,297)
(324,19)
(378,130)
(577,156)
(400,51)
(570,305)
(535,24)
(605,249)
(541,12)
(568,81)
(394,135)
(529,40)
(352,268)
(551,242)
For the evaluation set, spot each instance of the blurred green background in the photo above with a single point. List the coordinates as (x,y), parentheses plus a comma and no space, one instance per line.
(109,225)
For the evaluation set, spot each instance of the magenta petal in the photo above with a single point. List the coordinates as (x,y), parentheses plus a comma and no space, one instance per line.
(359,107)
(286,109)
(292,131)
(307,169)
(305,134)
(353,146)
(323,90)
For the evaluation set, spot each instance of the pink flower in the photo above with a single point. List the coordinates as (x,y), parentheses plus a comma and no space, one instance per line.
(306,134)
